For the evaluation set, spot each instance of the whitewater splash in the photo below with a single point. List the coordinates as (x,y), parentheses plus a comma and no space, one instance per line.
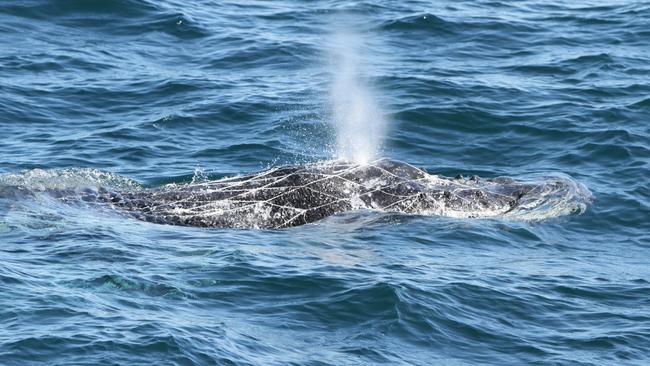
(295,195)
(358,120)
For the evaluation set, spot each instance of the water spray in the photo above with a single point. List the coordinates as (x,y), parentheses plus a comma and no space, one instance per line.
(358,120)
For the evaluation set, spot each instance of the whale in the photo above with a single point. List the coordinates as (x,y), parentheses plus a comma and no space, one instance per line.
(294,195)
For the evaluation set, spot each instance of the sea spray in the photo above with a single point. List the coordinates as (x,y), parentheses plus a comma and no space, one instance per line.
(357,118)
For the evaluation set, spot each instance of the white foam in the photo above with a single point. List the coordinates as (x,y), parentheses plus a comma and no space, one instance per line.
(50,179)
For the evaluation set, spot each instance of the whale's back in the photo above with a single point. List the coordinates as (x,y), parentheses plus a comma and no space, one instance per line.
(296,195)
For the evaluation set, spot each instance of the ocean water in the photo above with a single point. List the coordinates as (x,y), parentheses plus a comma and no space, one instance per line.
(133,93)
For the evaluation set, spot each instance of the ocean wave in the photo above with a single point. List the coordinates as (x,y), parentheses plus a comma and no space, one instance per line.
(472,29)
(124,17)
(132,285)
(420,22)
(40,9)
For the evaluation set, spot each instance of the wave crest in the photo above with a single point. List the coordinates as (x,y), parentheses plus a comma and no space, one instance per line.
(58,179)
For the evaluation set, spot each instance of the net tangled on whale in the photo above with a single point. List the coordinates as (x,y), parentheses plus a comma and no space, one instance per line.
(295,195)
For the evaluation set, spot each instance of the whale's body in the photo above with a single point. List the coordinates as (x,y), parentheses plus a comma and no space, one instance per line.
(296,195)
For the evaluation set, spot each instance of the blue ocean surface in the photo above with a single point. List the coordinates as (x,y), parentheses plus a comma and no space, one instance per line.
(139,93)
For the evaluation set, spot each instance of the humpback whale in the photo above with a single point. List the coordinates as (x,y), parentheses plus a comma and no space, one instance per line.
(296,195)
